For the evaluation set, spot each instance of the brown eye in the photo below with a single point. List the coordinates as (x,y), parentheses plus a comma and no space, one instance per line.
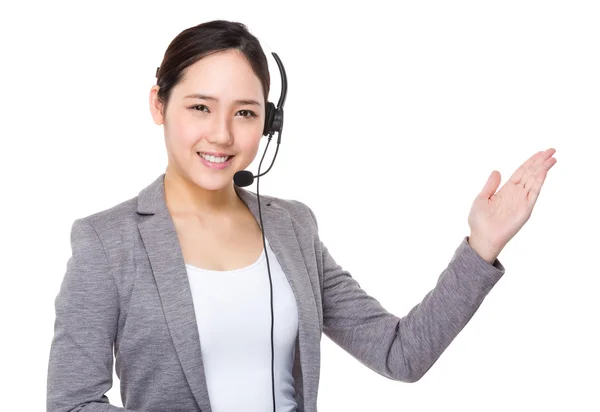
(199,108)
(247,113)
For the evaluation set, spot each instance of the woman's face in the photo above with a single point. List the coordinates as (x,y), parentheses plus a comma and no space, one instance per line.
(216,110)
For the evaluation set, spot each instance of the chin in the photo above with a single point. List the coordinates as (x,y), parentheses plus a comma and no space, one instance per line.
(213,182)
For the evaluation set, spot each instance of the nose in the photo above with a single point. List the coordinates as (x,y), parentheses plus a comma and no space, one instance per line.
(220,133)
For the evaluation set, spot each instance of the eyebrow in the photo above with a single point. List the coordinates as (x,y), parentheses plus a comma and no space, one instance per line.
(207,97)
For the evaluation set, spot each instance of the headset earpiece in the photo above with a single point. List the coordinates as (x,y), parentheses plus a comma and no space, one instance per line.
(274,114)
(269,117)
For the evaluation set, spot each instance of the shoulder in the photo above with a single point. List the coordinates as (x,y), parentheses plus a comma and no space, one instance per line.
(116,214)
(298,211)
(111,225)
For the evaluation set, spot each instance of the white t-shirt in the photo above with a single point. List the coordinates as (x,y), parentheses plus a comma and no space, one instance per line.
(233,312)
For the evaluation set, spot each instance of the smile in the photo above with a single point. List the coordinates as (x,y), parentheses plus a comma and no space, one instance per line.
(215,162)
(214,159)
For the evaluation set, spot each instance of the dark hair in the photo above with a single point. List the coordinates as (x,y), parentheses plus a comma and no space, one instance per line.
(205,39)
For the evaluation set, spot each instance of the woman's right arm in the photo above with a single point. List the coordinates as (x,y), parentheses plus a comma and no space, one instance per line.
(80,367)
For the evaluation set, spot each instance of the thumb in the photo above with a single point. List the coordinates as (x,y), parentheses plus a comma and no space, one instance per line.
(491,185)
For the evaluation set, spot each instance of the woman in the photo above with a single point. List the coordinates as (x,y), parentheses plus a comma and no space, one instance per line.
(173,280)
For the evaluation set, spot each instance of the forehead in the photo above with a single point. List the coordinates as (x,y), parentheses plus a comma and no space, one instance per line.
(226,75)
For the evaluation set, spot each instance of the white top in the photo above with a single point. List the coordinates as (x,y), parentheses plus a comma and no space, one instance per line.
(233,312)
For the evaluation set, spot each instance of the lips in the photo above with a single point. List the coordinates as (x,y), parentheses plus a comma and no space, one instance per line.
(215,154)
(213,158)
(215,165)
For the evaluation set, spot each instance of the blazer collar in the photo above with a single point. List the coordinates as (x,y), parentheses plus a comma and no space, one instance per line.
(168,267)
(152,200)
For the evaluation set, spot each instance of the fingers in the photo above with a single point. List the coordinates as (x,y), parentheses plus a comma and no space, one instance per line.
(534,184)
(541,163)
(529,168)
(520,172)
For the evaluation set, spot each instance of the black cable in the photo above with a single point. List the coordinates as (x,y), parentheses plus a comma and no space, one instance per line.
(268,266)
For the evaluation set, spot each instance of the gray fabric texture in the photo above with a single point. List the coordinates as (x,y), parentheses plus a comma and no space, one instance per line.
(125,301)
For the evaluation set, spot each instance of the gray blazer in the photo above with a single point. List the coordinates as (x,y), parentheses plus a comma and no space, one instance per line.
(126,290)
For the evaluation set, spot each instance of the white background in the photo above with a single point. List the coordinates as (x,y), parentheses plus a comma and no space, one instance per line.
(395,117)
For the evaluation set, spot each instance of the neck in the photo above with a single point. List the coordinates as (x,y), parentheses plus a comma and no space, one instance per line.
(183,196)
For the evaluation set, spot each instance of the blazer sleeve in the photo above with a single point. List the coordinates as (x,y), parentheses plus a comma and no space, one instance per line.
(404,348)
(81,359)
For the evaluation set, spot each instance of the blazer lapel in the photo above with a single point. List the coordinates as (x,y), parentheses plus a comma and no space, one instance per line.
(168,266)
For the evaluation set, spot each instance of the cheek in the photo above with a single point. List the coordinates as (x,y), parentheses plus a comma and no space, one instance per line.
(181,132)
(249,142)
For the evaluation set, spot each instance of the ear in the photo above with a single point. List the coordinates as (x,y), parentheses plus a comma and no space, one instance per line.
(156,107)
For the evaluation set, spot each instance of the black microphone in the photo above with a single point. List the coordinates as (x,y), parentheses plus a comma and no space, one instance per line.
(243,178)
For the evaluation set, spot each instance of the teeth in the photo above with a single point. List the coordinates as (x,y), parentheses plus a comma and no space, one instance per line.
(213,159)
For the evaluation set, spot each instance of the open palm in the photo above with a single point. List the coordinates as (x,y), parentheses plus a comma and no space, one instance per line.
(496,217)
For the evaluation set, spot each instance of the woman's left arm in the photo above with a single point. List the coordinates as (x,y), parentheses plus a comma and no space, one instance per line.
(405,348)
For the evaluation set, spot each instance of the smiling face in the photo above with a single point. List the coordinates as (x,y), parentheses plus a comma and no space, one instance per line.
(213,121)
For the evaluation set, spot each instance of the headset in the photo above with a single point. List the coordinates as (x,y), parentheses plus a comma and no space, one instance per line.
(273,124)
